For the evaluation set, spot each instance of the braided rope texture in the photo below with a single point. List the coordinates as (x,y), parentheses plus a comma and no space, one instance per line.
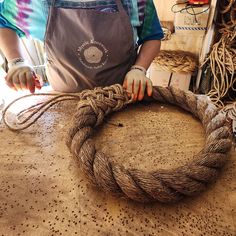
(176,61)
(165,186)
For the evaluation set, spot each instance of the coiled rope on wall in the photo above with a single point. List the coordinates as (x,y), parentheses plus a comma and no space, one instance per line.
(176,61)
(159,185)
(222,58)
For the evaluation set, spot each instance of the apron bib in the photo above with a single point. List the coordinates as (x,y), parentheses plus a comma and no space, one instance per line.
(86,48)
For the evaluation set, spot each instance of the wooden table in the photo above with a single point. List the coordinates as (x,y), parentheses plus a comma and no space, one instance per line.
(43,191)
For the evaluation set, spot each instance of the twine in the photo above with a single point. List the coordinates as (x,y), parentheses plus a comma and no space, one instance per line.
(160,185)
(176,61)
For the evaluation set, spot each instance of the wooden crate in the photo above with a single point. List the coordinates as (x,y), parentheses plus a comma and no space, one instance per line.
(187,43)
(181,40)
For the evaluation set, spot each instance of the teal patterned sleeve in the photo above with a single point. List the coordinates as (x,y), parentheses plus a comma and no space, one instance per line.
(5,24)
(151,27)
(6,9)
(26,17)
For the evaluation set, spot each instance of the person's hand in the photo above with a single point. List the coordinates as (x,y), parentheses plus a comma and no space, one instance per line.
(136,82)
(21,76)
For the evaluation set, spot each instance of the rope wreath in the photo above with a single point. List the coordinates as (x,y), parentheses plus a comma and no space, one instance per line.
(176,61)
(160,185)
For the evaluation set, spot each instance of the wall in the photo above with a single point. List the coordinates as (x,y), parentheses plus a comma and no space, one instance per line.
(164,9)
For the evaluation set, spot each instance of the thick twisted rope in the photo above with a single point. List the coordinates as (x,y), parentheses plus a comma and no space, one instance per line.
(159,185)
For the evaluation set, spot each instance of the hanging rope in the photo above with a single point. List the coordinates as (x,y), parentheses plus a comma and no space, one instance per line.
(189,9)
(159,185)
(222,58)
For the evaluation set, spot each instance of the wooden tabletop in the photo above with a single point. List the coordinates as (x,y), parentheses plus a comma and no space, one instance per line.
(43,191)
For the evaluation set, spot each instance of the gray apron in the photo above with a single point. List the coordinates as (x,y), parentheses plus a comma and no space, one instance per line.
(86,48)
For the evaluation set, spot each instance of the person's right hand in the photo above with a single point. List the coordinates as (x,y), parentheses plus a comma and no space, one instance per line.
(21,76)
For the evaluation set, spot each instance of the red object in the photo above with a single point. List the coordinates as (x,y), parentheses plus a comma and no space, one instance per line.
(37,82)
(198,2)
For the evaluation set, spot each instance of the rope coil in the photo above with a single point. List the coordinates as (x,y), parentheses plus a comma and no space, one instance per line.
(160,185)
(176,61)
(222,60)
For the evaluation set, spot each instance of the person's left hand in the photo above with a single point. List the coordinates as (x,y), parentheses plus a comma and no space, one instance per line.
(136,82)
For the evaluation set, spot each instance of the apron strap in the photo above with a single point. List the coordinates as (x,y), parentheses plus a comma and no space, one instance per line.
(53,3)
(119,5)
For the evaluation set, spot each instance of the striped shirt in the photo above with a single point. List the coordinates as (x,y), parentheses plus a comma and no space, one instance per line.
(29,17)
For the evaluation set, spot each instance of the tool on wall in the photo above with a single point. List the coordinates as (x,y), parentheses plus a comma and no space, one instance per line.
(193,2)
(191,8)
(198,2)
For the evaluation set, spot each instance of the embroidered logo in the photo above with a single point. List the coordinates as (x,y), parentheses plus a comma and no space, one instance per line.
(93,54)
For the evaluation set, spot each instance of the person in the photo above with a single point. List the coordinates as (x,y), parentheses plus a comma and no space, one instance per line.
(87,43)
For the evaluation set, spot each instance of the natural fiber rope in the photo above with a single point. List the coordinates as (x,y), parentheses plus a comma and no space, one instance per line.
(168,29)
(159,185)
(222,58)
(230,110)
(37,110)
(228,7)
(167,34)
(176,61)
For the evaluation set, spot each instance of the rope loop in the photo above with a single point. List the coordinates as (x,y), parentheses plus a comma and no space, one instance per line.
(160,185)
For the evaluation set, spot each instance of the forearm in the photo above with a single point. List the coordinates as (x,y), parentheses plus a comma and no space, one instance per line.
(148,51)
(10,44)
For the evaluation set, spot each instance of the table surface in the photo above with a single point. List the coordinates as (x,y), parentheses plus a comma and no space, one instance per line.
(43,191)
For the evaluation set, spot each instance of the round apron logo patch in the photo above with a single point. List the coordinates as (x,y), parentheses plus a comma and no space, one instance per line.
(92,54)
